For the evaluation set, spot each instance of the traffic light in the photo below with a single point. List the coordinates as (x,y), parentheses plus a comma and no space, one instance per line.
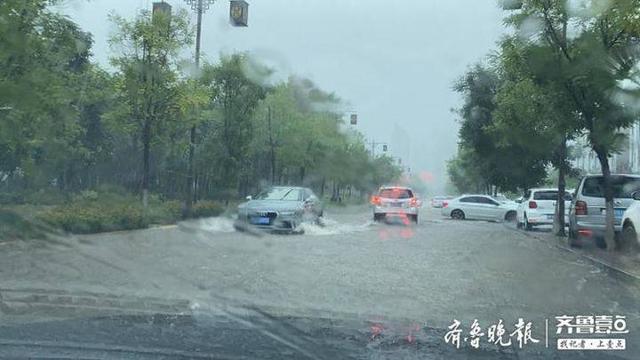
(354,119)
(161,14)
(384,148)
(239,13)
(161,8)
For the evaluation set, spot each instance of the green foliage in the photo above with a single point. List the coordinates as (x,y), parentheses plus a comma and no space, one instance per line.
(207,209)
(87,141)
(486,157)
(93,217)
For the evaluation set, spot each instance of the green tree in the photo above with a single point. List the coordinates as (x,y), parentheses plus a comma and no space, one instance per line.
(588,68)
(43,58)
(504,165)
(533,111)
(236,84)
(149,48)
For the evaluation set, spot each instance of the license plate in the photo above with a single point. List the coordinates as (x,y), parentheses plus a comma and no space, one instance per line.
(550,217)
(260,220)
(396,204)
(617,213)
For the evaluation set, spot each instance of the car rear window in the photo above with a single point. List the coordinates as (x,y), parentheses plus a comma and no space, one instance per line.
(623,186)
(549,195)
(395,193)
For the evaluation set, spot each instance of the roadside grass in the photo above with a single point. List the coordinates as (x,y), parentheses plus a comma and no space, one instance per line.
(87,212)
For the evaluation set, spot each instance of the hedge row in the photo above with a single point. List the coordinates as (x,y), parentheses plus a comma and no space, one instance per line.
(86,217)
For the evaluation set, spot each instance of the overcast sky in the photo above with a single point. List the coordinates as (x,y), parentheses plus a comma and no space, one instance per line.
(393,61)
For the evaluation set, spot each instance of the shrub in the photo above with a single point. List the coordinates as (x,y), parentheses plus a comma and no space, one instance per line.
(95,217)
(206,209)
(167,212)
(50,196)
(11,198)
(86,195)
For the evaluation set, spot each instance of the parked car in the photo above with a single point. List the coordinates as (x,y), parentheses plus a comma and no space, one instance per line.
(438,201)
(587,211)
(631,222)
(281,208)
(395,201)
(538,207)
(481,207)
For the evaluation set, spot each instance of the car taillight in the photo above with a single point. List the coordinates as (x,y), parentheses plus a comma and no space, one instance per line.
(375,200)
(581,208)
(533,205)
(413,202)
(445,204)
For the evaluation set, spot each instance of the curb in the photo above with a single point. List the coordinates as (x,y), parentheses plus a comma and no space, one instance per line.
(593,259)
(602,263)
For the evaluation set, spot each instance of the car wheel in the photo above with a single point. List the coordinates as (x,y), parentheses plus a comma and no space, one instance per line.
(510,216)
(527,225)
(457,215)
(519,225)
(378,217)
(629,238)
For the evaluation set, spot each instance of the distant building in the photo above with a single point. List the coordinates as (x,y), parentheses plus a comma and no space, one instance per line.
(626,161)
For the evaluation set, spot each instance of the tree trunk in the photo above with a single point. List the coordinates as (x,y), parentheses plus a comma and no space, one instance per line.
(558,223)
(609,236)
(146,145)
(190,173)
(272,148)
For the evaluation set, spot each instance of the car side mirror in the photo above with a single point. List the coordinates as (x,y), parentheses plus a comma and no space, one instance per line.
(249,197)
(636,195)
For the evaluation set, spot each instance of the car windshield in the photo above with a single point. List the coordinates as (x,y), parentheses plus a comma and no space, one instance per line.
(623,186)
(259,179)
(289,194)
(396,193)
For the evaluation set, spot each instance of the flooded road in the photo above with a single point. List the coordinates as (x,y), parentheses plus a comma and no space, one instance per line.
(350,268)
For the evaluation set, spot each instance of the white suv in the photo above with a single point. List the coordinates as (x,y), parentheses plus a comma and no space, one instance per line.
(538,207)
(395,201)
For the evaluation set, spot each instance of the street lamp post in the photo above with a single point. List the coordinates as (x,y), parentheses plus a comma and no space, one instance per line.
(375,144)
(199,6)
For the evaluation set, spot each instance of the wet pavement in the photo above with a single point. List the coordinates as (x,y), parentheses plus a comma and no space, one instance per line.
(392,279)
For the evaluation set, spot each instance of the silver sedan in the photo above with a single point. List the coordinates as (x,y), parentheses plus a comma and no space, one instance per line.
(280,208)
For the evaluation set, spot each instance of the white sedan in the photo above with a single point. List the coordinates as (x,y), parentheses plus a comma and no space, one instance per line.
(631,223)
(481,207)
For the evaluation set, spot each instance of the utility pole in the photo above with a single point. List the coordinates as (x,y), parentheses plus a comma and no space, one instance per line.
(272,147)
(199,6)
(374,144)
